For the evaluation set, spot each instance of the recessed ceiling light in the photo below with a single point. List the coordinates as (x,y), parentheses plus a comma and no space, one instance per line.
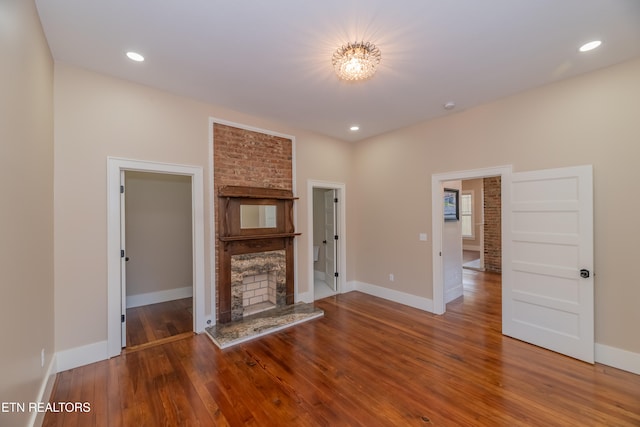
(590,46)
(354,128)
(134,56)
(449,105)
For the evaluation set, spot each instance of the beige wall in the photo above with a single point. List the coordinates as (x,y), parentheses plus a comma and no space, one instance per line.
(590,119)
(158,232)
(99,116)
(26,215)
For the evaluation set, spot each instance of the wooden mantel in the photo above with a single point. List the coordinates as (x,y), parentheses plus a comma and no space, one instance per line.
(236,240)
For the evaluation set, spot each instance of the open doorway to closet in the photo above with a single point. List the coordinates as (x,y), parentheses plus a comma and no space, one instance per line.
(117,251)
(159,257)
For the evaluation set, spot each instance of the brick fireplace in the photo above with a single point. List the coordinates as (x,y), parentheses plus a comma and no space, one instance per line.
(251,159)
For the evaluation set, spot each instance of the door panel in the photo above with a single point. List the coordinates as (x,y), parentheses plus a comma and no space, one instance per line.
(330,233)
(546,302)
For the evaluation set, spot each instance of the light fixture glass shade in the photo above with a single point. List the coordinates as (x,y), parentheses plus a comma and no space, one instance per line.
(356,61)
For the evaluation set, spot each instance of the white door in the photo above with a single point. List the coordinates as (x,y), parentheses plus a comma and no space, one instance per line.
(548,271)
(123,265)
(330,247)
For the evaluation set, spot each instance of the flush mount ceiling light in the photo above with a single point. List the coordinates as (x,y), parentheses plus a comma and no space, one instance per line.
(356,61)
(354,128)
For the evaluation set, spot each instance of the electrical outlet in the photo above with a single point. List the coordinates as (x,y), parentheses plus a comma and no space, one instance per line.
(423,237)
(391,277)
(42,358)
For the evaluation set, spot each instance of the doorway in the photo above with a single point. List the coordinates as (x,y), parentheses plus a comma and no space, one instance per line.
(464,247)
(116,248)
(327,243)
(158,258)
(472,221)
(440,295)
(546,239)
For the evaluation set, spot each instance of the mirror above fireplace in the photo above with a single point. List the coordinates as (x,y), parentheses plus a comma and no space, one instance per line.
(258,216)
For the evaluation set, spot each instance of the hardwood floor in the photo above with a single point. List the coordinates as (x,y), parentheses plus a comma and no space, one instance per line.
(368,362)
(150,323)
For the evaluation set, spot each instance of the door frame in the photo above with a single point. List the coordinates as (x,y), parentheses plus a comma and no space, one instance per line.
(437,180)
(115,166)
(341,229)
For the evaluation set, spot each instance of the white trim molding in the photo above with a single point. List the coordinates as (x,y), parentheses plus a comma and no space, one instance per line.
(414,301)
(159,296)
(305,297)
(44,394)
(80,356)
(618,358)
(453,293)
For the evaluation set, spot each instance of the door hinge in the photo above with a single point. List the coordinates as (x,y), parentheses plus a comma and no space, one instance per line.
(122,189)
(121,253)
(335,274)
(335,200)
(122,318)
(335,237)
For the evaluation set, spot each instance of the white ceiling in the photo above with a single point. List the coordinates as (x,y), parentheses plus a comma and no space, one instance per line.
(273,58)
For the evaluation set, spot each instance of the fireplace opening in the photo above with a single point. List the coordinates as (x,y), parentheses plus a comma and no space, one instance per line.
(258,293)
(258,282)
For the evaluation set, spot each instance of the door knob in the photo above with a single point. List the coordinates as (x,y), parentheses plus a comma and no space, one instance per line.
(584,273)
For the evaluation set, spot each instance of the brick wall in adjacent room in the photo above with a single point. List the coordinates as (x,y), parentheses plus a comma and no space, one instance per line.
(249,158)
(492,224)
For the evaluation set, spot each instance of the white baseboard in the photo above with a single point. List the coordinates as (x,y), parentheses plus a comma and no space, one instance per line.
(453,293)
(414,301)
(80,356)
(44,394)
(305,297)
(159,296)
(350,286)
(618,358)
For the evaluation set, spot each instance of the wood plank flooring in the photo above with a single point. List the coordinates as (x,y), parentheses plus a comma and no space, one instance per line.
(368,362)
(154,322)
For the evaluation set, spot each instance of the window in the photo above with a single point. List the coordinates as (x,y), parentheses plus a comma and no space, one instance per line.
(466,214)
